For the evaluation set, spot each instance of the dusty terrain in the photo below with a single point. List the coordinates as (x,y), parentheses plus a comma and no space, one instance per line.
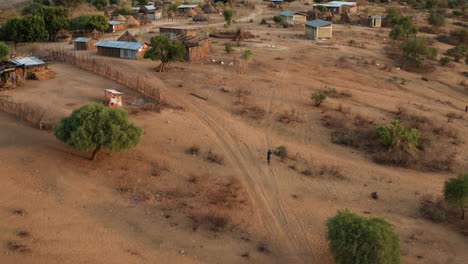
(159,203)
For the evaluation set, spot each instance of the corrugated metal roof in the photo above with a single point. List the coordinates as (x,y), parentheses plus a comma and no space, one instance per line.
(187,6)
(119,44)
(336,4)
(276,0)
(287,13)
(135,8)
(150,7)
(376,16)
(318,23)
(82,39)
(115,22)
(28,61)
(112,91)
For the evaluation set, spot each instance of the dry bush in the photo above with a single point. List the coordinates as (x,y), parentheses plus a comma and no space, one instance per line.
(451,116)
(252,112)
(291,116)
(193,150)
(333,93)
(15,246)
(214,158)
(433,209)
(157,169)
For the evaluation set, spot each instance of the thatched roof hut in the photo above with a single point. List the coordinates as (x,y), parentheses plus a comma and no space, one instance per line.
(200,18)
(209,9)
(62,36)
(146,20)
(127,37)
(132,22)
(120,18)
(191,13)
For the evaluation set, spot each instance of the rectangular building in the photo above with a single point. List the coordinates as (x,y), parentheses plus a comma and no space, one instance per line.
(293,17)
(85,43)
(318,29)
(122,49)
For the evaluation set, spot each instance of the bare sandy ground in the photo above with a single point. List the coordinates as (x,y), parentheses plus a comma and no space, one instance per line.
(111,211)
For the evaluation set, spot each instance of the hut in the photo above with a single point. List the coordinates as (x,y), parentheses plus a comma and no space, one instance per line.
(183,9)
(116,26)
(152,12)
(34,68)
(191,13)
(85,43)
(112,98)
(293,17)
(338,7)
(122,49)
(318,29)
(132,22)
(209,9)
(171,32)
(62,36)
(120,18)
(10,75)
(200,18)
(127,37)
(375,21)
(196,47)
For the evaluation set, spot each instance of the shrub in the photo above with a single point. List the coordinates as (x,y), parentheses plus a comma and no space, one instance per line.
(228,14)
(193,150)
(433,211)
(263,21)
(396,136)
(4,51)
(403,27)
(94,126)
(352,42)
(444,61)
(215,158)
(281,152)
(456,192)
(416,49)
(278,19)
(318,98)
(436,19)
(459,36)
(356,239)
(228,47)
(458,52)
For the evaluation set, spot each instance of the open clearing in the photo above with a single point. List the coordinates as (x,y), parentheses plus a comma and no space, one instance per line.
(158,202)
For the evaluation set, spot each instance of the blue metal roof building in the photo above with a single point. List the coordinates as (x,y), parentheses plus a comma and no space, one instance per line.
(287,13)
(122,49)
(82,39)
(318,23)
(318,29)
(28,61)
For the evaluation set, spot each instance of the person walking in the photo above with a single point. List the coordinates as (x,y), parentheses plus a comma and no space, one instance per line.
(269,156)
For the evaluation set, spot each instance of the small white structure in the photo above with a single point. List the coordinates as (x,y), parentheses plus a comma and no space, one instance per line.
(338,7)
(112,98)
(318,29)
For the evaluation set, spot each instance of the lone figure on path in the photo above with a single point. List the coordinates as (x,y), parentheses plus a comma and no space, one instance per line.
(269,156)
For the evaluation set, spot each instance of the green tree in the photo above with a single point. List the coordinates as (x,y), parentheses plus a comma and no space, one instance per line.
(69,3)
(415,49)
(321,8)
(28,28)
(393,16)
(94,127)
(165,50)
(436,19)
(432,4)
(55,18)
(4,51)
(278,19)
(89,23)
(458,52)
(228,47)
(403,28)
(228,14)
(456,192)
(355,239)
(99,4)
(395,135)
(246,56)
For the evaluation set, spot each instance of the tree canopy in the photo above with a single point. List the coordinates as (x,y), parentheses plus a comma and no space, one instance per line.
(55,18)
(416,49)
(89,22)
(28,28)
(166,50)
(228,14)
(94,126)
(355,239)
(436,19)
(403,27)
(456,192)
(4,51)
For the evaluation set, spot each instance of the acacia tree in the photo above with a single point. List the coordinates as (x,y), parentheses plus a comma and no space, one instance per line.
(93,127)
(436,19)
(165,50)
(416,49)
(355,239)
(456,192)
(4,51)
(228,14)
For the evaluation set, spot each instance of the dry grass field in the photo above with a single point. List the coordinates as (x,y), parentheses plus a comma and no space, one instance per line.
(198,189)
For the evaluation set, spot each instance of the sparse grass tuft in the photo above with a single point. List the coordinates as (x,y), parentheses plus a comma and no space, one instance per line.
(214,158)
(194,150)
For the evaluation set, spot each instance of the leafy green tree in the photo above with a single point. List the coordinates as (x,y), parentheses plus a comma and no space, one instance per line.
(99,4)
(94,127)
(278,19)
(69,3)
(89,23)
(456,192)
(356,239)
(436,19)
(393,16)
(403,28)
(4,51)
(397,136)
(432,4)
(228,14)
(415,49)
(165,50)
(55,18)
(246,56)
(28,28)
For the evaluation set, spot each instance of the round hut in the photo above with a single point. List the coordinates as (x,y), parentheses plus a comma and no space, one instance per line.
(200,18)
(209,9)
(120,18)
(132,22)
(62,36)
(191,13)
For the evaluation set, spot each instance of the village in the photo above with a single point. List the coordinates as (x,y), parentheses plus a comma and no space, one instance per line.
(233,131)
